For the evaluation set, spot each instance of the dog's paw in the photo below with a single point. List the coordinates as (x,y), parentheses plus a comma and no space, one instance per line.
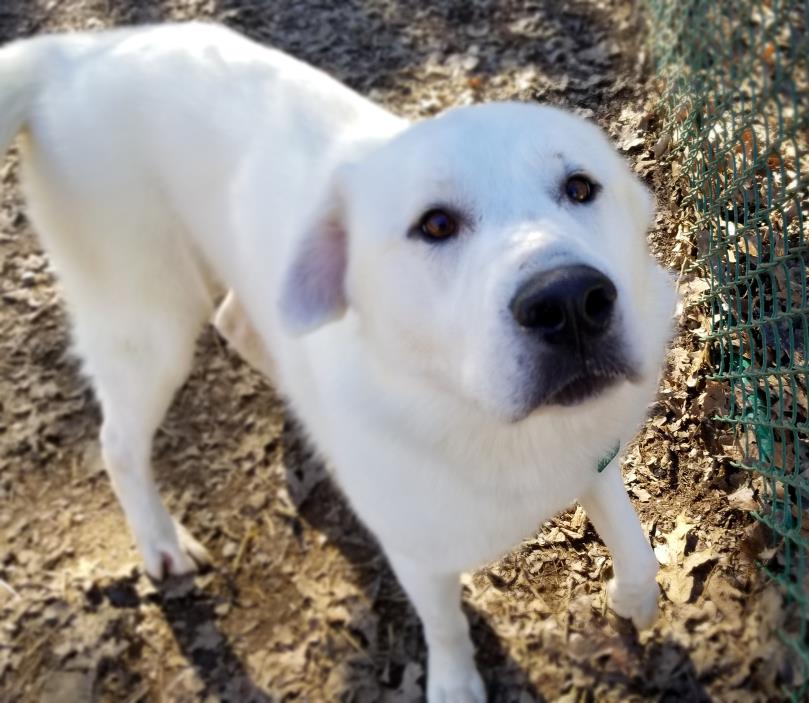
(467,688)
(174,552)
(634,601)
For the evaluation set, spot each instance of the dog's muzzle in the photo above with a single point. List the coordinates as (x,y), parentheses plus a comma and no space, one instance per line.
(569,314)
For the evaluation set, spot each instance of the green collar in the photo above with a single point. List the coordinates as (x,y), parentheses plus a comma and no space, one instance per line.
(608,457)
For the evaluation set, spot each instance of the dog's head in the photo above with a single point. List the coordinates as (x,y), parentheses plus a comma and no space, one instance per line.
(497,252)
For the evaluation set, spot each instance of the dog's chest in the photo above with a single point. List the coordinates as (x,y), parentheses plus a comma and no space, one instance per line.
(455,514)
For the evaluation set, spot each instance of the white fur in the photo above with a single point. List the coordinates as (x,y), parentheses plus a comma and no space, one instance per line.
(164,164)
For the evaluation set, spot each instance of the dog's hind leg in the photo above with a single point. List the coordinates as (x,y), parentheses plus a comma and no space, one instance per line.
(137,296)
(135,376)
(232,322)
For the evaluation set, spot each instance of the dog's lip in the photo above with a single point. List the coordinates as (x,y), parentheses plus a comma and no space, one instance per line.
(583,387)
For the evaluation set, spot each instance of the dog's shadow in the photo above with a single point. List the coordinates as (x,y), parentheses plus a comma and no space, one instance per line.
(321,504)
(191,614)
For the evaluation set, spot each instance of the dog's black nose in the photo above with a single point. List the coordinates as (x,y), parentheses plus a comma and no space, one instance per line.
(565,305)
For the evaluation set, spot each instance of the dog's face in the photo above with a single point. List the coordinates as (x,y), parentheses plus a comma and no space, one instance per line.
(497,251)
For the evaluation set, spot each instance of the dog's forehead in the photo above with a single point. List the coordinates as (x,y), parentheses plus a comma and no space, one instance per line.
(503,142)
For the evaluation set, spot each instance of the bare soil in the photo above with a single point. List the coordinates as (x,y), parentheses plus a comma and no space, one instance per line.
(301,604)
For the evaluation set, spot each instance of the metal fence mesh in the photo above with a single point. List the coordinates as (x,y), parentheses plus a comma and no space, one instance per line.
(735,82)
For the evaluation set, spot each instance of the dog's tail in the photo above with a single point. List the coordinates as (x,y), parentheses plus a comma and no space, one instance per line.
(21,75)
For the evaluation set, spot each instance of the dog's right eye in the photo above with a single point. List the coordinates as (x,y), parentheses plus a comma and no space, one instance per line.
(437,225)
(580,189)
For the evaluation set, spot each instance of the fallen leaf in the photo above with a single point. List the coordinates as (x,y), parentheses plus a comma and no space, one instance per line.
(713,400)
(697,559)
(662,145)
(641,494)
(409,688)
(676,539)
(677,585)
(725,597)
(743,499)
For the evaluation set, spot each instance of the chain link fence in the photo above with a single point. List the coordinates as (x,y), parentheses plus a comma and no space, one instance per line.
(734,75)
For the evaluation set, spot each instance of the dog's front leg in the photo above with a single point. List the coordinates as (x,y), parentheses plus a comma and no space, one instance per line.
(633,591)
(452,676)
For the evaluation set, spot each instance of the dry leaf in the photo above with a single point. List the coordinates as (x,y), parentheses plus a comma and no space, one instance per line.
(697,559)
(409,689)
(725,597)
(676,539)
(677,579)
(713,400)
(743,499)
(662,145)
(641,494)
(677,585)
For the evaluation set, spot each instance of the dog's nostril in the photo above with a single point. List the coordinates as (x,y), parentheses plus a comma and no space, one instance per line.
(540,313)
(548,315)
(598,304)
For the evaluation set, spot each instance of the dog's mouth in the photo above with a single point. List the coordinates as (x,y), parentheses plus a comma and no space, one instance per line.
(580,388)
(573,382)
(561,379)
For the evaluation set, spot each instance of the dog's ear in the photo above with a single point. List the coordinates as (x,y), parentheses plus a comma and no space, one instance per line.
(642,204)
(313,292)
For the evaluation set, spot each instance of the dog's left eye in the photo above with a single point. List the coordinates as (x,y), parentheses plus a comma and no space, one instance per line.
(437,225)
(580,189)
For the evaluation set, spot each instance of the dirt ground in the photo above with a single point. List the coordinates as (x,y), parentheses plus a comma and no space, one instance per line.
(301,604)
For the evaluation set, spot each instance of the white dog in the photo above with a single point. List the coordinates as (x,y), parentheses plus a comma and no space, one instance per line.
(462,311)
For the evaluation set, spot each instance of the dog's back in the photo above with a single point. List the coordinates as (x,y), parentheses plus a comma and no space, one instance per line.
(135,141)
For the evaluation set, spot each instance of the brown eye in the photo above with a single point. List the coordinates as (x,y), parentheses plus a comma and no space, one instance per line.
(580,189)
(437,225)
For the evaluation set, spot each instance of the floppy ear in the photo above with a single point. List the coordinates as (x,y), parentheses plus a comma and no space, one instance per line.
(313,292)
